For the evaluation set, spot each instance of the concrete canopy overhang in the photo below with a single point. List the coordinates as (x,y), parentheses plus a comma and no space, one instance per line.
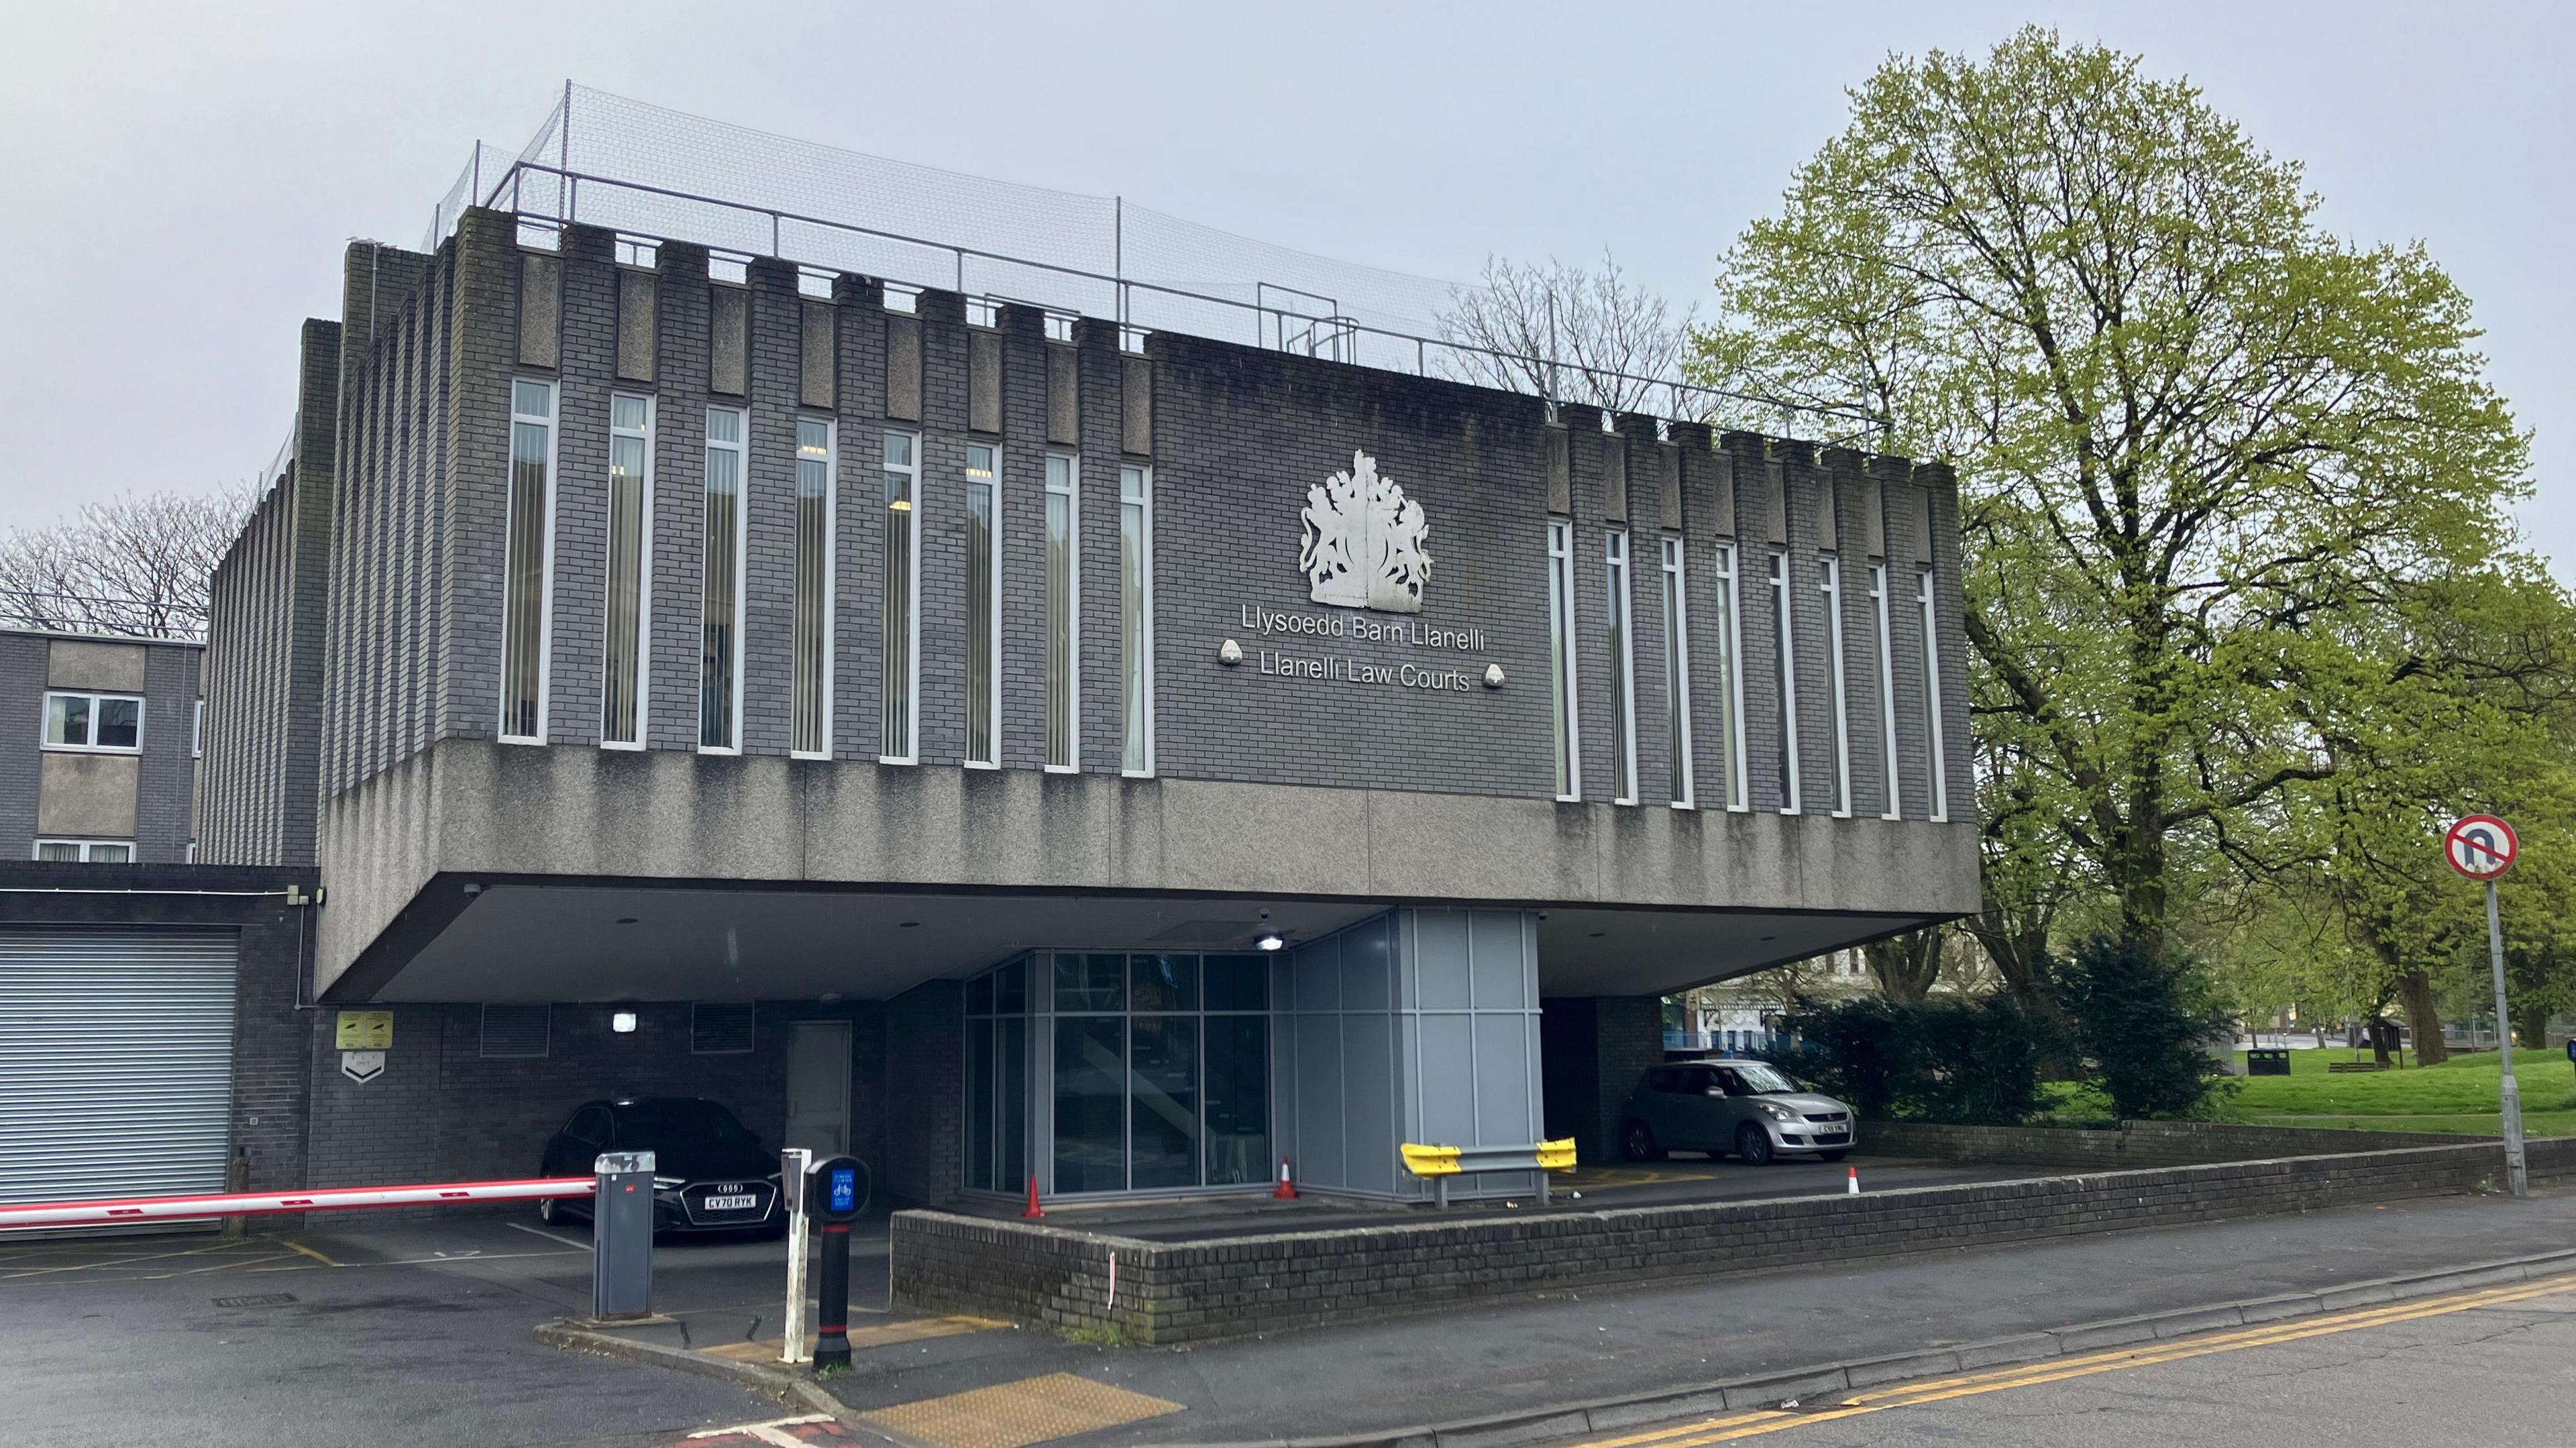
(554,939)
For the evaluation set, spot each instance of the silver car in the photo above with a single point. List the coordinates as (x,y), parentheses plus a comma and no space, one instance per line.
(1746,1107)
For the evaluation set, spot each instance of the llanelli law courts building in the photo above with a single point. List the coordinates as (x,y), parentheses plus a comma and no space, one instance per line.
(1011,732)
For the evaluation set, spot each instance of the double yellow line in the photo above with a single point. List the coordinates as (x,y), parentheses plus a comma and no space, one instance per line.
(2052,1370)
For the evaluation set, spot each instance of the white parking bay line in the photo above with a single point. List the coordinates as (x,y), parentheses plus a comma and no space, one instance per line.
(773,1431)
(549,1236)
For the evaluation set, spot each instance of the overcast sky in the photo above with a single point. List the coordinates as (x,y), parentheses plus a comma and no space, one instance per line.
(177,180)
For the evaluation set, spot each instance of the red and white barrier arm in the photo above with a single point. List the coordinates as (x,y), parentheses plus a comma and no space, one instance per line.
(250,1204)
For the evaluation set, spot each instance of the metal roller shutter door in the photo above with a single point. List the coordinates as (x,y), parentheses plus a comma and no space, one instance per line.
(116,1048)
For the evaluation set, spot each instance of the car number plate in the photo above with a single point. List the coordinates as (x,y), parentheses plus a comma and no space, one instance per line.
(743,1203)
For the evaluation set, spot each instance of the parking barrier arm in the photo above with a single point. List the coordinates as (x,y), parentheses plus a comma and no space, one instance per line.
(116,1212)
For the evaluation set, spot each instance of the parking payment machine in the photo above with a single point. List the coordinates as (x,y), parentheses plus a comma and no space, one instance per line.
(835,1194)
(621,1244)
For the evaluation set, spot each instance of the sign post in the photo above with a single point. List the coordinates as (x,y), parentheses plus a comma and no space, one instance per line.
(2483,847)
(794,1163)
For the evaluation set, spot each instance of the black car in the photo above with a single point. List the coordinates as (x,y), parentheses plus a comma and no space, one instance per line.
(710,1173)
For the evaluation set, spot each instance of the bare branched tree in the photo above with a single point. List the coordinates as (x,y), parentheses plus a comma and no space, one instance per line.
(1567,334)
(138,564)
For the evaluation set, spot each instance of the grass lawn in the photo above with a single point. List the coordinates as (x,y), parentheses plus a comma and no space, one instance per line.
(2458,1096)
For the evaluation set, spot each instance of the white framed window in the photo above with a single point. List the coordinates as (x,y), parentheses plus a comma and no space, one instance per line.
(626,662)
(1136,619)
(1063,611)
(899,599)
(1729,634)
(1894,804)
(92,852)
(809,713)
(192,852)
(1831,585)
(197,732)
(1560,659)
(1784,680)
(1623,669)
(527,580)
(720,603)
(1677,704)
(93,723)
(1927,620)
(983,606)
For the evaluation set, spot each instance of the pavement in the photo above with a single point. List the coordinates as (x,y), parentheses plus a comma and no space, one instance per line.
(421,1332)
(385,1333)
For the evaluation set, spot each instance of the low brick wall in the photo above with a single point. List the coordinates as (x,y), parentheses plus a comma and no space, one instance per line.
(1232,1287)
(2133,1143)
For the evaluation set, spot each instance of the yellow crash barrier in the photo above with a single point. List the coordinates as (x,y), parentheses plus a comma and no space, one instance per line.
(1430,1161)
(1557,1155)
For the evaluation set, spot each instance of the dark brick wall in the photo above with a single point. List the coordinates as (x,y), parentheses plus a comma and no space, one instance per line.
(1592,1050)
(925,1050)
(442,1111)
(1235,437)
(1237,1286)
(23,660)
(165,783)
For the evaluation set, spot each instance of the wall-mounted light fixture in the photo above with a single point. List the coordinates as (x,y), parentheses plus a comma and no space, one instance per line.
(622,1022)
(1272,941)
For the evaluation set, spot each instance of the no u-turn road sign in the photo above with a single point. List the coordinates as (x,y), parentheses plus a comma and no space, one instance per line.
(2481,846)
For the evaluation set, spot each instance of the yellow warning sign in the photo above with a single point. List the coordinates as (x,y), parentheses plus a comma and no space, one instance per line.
(366,1031)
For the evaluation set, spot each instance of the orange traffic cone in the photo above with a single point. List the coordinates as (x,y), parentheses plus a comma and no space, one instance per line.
(1286,1191)
(1032,1209)
(1851,1186)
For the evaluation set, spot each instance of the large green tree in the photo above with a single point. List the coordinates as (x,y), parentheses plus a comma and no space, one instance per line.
(2206,447)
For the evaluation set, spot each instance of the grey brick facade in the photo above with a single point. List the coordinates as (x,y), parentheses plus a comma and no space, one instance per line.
(156,792)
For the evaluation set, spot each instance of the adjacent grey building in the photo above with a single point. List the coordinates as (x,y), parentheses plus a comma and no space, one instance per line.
(1016,745)
(105,735)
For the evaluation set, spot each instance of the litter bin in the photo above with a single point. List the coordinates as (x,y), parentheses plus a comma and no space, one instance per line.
(2268,1061)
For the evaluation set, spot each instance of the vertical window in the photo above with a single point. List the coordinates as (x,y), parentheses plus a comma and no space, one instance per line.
(1784,678)
(983,604)
(197,733)
(1161,1070)
(1063,611)
(1932,692)
(1136,618)
(523,593)
(630,514)
(1623,681)
(720,640)
(1892,807)
(1560,657)
(1728,679)
(1831,585)
(898,590)
(1677,714)
(810,691)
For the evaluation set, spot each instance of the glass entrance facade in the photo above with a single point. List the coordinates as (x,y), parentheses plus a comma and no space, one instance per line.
(1124,1071)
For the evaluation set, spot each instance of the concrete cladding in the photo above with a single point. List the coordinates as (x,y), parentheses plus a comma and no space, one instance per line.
(1296,748)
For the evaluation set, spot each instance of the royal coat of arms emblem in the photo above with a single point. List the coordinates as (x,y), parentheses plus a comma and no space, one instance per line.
(1362,544)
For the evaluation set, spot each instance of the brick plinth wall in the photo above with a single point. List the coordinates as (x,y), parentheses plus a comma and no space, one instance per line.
(1207,1290)
(2132,1144)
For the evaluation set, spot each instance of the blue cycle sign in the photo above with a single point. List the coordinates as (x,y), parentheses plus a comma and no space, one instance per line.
(2481,846)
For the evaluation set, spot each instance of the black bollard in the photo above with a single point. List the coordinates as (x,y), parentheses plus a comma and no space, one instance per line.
(836,1194)
(832,1334)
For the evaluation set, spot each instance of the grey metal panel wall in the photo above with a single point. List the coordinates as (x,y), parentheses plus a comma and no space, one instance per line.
(1417,1025)
(115,1060)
